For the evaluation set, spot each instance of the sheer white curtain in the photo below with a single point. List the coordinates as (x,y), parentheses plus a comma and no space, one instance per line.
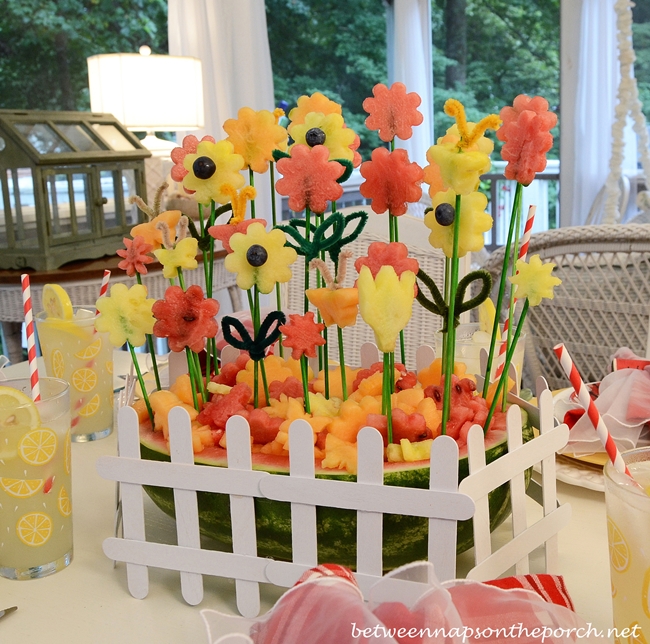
(409,61)
(231,40)
(590,79)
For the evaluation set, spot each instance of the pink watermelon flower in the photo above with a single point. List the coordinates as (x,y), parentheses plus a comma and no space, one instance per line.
(302,335)
(223,232)
(136,255)
(526,133)
(309,178)
(190,143)
(392,111)
(391,181)
(185,318)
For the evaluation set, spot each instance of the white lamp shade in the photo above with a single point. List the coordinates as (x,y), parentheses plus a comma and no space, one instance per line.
(148,93)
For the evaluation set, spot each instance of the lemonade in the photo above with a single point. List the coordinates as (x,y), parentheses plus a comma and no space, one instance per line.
(75,352)
(35,482)
(628,531)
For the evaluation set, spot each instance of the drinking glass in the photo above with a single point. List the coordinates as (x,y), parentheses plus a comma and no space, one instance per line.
(35,482)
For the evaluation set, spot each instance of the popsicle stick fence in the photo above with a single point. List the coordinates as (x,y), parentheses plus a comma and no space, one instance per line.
(443,504)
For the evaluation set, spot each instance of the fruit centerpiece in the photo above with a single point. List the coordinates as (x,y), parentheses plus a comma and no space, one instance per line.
(272,382)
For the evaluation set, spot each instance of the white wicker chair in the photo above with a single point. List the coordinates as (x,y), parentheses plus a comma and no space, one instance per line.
(602,304)
(423,325)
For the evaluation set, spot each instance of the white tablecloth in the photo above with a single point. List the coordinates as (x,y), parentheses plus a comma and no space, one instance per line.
(88,603)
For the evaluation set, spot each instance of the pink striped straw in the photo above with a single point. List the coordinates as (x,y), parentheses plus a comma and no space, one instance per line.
(31,344)
(592,411)
(523,252)
(104,287)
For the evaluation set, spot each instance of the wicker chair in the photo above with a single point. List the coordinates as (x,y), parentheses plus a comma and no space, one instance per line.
(602,304)
(423,325)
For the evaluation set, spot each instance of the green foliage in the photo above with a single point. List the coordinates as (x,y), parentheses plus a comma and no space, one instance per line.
(641,36)
(337,48)
(44,45)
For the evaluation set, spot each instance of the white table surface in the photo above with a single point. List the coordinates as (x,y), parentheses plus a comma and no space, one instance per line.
(88,602)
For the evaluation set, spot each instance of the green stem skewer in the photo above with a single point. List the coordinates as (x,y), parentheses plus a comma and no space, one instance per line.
(256,328)
(202,388)
(307,232)
(150,345)
(502,284)
(304,369)
(274,216)
(504,376)
(451,327)
(191,369)
(256,371)
(145,395)
(386,394)
(344,383)
(251,180)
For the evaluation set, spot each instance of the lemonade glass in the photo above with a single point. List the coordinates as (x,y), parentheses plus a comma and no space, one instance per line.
(628,532)
(81,356)
(35,482)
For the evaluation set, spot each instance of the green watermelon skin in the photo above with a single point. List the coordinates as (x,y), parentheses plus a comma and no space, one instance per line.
(405,537)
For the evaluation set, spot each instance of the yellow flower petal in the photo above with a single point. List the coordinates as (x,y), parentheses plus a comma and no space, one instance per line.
(183,255)
(125,314)
(534,280)
(474,221)
(276,267)
(385,303)
(460,171)
(338,138)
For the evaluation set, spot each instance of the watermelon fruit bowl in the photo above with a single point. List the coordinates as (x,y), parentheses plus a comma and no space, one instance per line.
(405,537)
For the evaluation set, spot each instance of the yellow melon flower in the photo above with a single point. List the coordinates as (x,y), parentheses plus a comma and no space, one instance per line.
(183,255)
(474,221)
(255,135)
(260,258)
(534,280)
(385,303)
(325,129)
(213,165)
(125,314)
(317,102)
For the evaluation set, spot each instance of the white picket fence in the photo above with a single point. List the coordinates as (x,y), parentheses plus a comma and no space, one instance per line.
(443,504)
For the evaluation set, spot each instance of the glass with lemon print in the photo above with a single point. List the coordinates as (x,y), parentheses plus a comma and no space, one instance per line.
(35,481)
(81,356)
(628,532)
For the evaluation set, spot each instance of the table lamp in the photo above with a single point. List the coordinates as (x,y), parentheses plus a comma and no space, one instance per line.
(133,87)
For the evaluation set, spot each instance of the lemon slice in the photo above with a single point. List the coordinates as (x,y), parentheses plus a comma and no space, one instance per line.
(34,529)
(63,502)
(17,410)
(90,351)
(21,488)
(486,315)
(56,302)
(619,553)
(38,446)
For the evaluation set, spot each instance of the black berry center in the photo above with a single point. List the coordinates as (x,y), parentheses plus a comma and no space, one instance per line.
(204,168)
(315,136)
(256,255)
(445,214)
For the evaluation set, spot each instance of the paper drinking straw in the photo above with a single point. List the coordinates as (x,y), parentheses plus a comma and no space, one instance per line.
(523,252)
(31,345)
(104,287)
(594,416)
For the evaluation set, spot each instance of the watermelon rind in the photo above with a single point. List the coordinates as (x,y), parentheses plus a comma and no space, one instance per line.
(405,538)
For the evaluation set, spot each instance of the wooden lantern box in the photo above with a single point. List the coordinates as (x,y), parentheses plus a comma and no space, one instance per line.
(66,179)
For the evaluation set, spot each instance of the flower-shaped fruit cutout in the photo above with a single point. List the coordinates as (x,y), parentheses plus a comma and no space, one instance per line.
(260,258)
(189,145)
(328,130)
(212,166)
(391,181)
(386,303)
(255,135)
(125,315)
(223,232)
(393,111)
(336,305)
(474,221)
(317,102)
(151,232)
(534,280)
(185,318)
(309,178)
(136,256)
(182,256)
(526,132)
(302,334)
(462,161)
(393,254)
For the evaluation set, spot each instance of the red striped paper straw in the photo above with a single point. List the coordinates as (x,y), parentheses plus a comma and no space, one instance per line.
(31,344)
(523,252)
(104,287)
(594,416)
